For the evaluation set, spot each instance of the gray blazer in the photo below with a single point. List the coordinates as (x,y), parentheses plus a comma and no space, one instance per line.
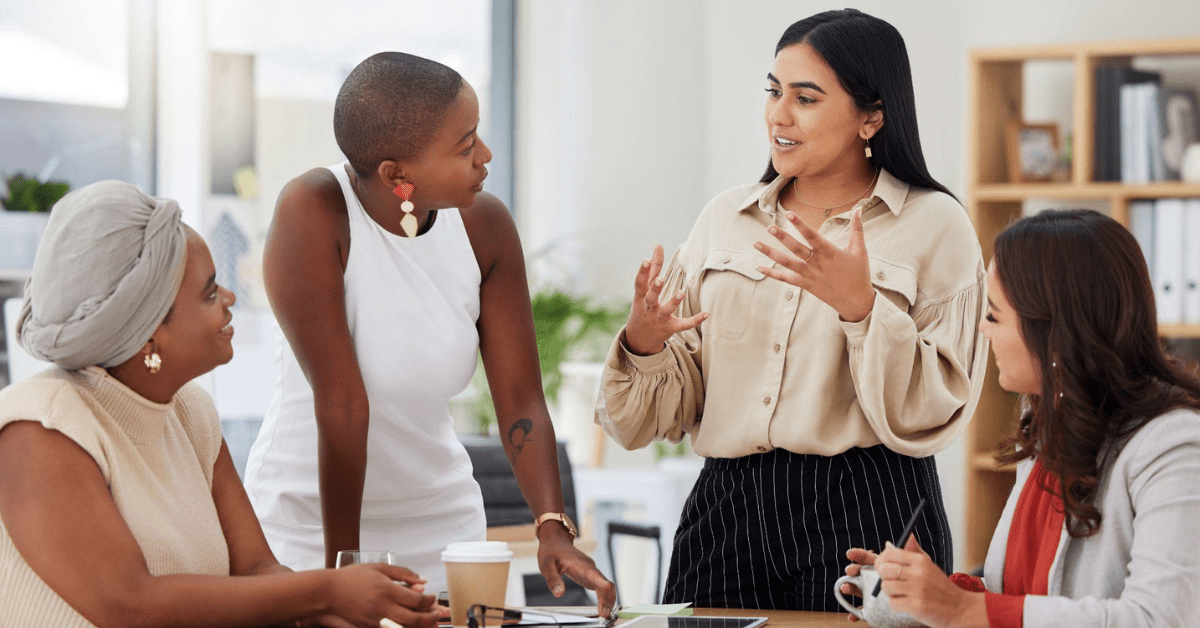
(1142,568)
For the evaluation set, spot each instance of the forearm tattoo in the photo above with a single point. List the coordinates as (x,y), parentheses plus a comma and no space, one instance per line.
(519,434)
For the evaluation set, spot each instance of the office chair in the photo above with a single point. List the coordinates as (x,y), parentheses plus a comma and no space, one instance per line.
(504,505)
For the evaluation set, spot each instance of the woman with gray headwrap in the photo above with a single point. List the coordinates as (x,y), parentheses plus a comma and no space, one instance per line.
(119,502)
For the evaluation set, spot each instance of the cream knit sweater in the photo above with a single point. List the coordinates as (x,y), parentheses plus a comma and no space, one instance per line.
(158,462)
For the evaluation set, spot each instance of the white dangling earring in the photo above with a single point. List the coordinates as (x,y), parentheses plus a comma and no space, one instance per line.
(409,222)
(867,150)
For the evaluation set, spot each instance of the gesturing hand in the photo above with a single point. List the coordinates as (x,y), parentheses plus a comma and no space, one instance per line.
(839,277)
(651,323)
(558,557)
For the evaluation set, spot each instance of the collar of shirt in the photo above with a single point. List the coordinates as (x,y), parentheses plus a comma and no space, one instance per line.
(889,190)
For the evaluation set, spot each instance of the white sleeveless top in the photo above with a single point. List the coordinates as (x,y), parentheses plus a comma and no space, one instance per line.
(412,305)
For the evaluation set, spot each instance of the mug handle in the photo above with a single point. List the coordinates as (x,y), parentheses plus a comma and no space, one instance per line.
(837,592)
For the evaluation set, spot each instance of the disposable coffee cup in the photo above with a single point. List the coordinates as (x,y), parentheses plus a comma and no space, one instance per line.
(476,573)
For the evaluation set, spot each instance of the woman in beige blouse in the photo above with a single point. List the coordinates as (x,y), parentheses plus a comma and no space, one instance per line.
(816,335)
(119,502)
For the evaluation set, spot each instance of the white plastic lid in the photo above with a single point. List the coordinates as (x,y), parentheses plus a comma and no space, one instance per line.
(477,552)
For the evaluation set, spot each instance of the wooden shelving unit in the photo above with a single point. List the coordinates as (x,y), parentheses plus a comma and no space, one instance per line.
(997,98)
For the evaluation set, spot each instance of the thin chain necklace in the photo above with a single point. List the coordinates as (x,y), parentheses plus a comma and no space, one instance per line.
(833,207)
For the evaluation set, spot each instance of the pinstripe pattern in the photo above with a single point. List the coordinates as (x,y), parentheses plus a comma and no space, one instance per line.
(771,530)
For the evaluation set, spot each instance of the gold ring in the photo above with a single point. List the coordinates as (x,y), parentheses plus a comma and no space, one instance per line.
(810,254)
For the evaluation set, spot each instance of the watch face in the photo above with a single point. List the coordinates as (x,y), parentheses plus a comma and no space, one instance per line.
(570,525)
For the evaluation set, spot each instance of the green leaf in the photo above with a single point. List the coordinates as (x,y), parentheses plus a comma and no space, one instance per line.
(27,194)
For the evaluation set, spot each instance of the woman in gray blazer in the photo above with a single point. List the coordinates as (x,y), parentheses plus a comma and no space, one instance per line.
(1103,525)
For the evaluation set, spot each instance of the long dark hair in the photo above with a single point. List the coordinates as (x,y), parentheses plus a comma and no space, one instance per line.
(869,58)
(1081,289)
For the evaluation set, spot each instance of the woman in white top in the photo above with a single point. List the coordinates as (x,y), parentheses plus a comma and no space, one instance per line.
(817,377)
(385,292)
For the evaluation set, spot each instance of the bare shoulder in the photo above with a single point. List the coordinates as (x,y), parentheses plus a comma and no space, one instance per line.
(316,194)
(492,232)
(310,223)
(487,214)
(26,446)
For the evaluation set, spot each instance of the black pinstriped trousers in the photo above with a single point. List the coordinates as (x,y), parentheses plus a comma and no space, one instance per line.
(771,530)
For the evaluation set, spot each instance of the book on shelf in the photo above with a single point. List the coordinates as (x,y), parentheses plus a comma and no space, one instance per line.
(1141,134)
(1107,136)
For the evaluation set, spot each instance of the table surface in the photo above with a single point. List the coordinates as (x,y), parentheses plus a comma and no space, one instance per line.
(785,619)
(777,619)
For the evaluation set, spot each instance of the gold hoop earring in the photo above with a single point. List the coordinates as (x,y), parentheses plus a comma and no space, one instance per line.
(153,362)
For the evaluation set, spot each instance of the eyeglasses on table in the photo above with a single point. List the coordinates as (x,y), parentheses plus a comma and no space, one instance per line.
(482,616)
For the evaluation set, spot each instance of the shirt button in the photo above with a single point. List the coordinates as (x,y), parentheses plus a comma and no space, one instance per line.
(766,401)
(761,448)
(788,296)
(728,259)
(776,348)
(880,275)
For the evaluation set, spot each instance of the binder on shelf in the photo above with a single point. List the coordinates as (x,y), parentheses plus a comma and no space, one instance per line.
(1168,260)
(1141,225)
(1191,261)
(1107,128)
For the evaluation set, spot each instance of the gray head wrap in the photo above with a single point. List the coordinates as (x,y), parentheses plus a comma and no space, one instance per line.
(106,273)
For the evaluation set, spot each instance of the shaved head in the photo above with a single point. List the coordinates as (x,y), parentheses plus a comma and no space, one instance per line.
(390,106)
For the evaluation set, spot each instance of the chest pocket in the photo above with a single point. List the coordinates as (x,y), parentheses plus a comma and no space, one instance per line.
(729,280)
(895,281)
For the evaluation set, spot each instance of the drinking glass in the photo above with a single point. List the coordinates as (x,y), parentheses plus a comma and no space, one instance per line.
(345,558)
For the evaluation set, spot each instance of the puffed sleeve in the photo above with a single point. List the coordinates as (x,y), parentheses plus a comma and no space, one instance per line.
(918,373)
(660,396)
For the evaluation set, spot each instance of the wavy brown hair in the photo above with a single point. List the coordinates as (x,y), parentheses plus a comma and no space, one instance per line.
(1079,284)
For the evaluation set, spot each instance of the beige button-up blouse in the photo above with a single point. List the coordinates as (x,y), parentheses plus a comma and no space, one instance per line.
(775,367)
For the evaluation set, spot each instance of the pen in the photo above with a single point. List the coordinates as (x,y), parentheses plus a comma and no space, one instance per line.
(908,529)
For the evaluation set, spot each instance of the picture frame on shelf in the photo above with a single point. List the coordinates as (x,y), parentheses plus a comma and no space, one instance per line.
(1180,116)
(1033,151)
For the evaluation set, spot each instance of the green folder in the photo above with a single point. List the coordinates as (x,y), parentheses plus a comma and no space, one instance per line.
(678,610)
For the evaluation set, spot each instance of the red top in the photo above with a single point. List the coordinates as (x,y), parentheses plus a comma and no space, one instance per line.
(1032,543)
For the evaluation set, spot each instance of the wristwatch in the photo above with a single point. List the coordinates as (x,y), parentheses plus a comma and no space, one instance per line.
(557,516)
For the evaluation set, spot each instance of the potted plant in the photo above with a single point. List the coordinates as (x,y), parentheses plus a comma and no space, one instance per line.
(27,204)
(569,328)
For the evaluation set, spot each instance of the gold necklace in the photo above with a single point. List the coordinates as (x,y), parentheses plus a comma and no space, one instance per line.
(833,207)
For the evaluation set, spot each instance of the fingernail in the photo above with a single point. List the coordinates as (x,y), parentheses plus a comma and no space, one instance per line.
(558,590)
(758,245)
(790,216)
(645,264)
(888,545)
(658,282)
(679,295)
(772,230)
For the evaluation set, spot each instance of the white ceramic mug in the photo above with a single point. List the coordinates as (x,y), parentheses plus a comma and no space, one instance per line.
(875,610)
